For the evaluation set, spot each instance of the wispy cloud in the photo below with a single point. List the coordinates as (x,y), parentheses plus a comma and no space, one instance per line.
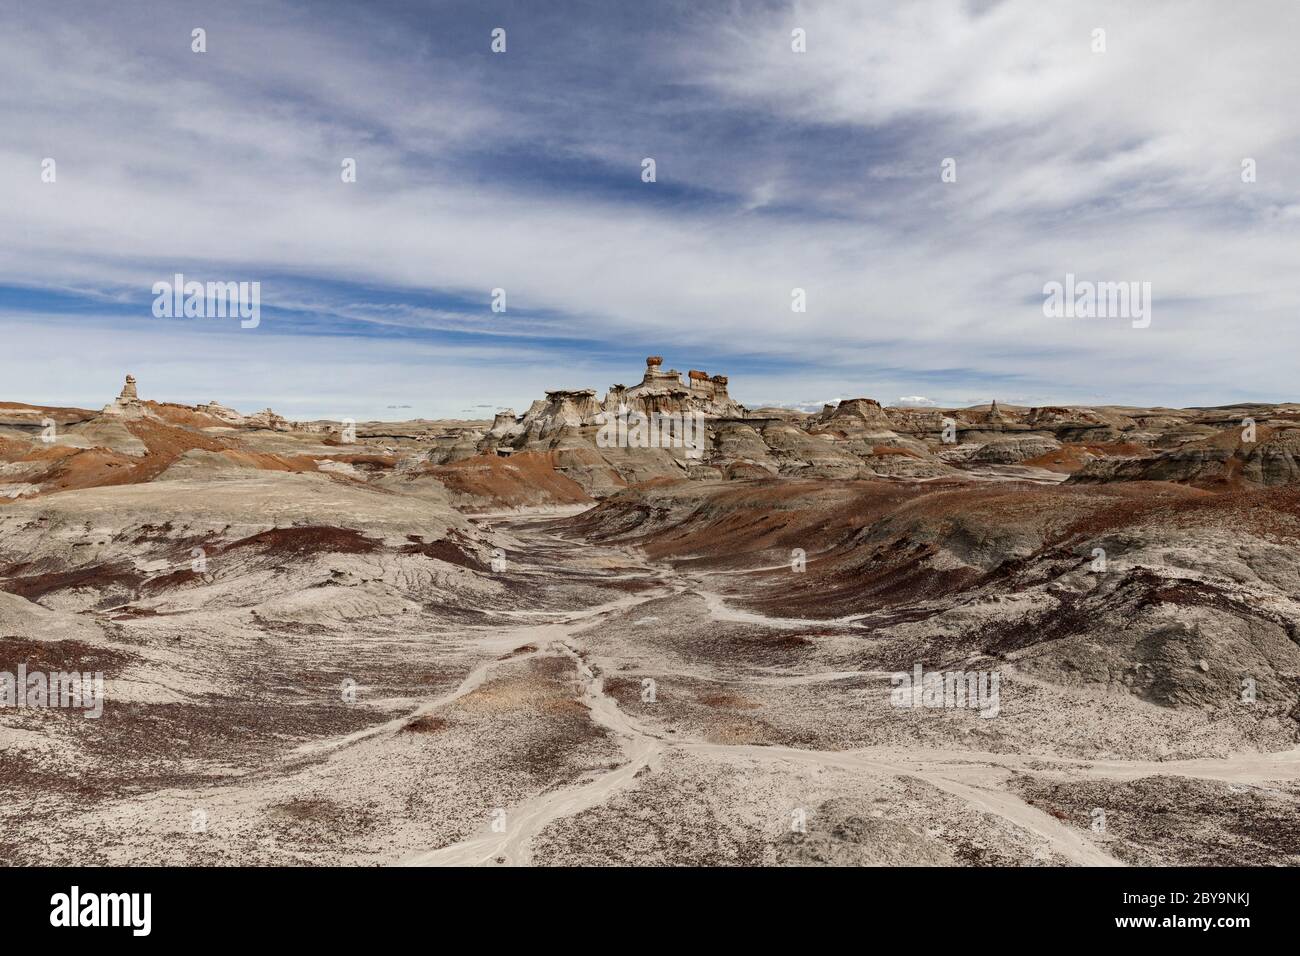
(776,170)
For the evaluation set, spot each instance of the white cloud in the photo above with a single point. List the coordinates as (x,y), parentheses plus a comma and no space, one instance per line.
(1121,166)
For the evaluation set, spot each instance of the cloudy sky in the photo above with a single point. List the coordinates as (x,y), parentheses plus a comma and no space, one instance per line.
(775,170)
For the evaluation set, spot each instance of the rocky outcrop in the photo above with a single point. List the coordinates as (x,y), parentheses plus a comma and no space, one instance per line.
(127,404)
(1226,460)
(671,426)
(857,415)
(266,418)
(1013,448)
(664,392)
(926,422)
(455,445)
(504,425)
(219,411)
(852,438)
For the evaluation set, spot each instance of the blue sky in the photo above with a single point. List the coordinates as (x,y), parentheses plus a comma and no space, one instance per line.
(522,171)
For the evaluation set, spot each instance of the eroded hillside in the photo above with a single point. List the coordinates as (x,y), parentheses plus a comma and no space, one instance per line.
(515,642)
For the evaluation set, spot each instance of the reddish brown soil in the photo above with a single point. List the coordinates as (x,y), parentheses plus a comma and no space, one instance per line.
(684,519)
(11,450)
(1072,456)
(309,539)
(725,701)
(185,416)
(54,656)
(443,550)
(73,468)
(33,583)
(528,478)
(428,724)
(60,414)
(66,468)
(166,582)
(265,461)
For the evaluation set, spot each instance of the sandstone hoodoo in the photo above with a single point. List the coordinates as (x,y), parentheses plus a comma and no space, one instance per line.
(127,404)
(665,392)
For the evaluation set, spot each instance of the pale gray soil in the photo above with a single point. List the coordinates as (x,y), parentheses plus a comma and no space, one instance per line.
(500,717)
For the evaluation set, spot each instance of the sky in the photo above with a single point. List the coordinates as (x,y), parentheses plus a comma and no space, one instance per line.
(775,170)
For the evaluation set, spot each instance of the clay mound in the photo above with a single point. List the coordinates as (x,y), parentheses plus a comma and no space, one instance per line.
(444,550)
(20,616)
(866,409)
(741,470)
(940,541)
(1074,456)
(772,411)
(295,549)
(104,432)
(309,539)
(1221,461)
(526,479)
(729,524)
(167,451)
(98,467)
(65,469)
(22,415)
(184,415)
(201,463)
(35,580)
(1013,448)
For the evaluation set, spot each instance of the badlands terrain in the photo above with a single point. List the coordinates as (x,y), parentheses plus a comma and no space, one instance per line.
(513,642)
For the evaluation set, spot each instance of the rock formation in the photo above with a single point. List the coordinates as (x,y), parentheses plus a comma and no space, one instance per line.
(127,404)
(665,392)
(564,413)
(696,430)
(267,418)
(852,439)
(504,424)
(217,410)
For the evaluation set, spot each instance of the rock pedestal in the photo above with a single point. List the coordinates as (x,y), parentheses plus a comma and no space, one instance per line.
(127,404)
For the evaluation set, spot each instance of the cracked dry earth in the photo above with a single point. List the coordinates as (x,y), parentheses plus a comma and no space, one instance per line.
(504,717)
